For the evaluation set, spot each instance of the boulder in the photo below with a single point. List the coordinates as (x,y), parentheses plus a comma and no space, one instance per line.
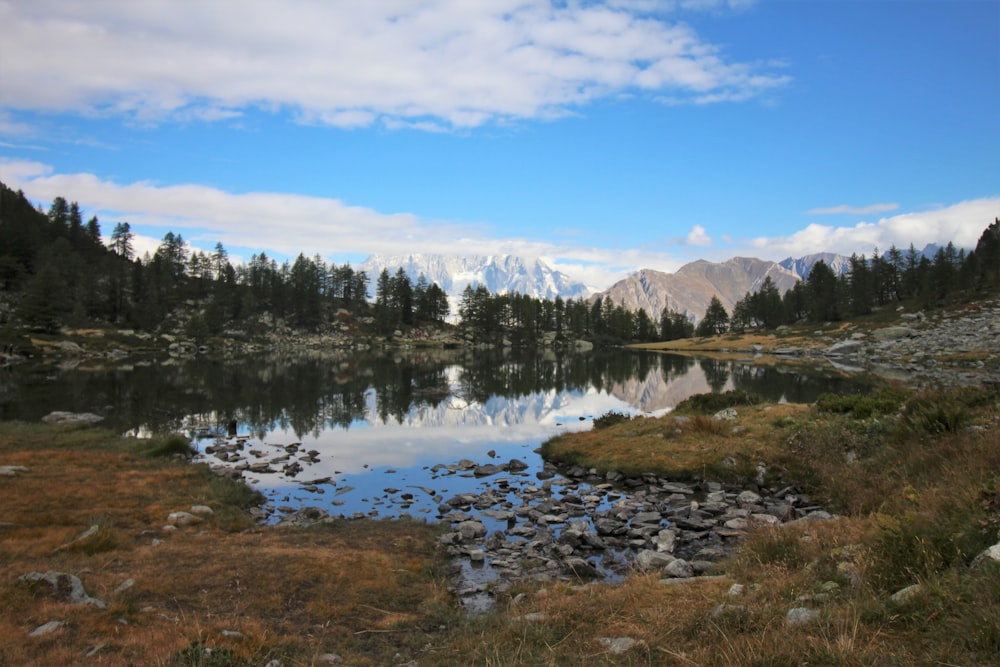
(990,554)
(66,587)
(647,559)
(471,530)
(892,333)
(904,595)
(679,569)
(182,519)
(60,417)
(801,616)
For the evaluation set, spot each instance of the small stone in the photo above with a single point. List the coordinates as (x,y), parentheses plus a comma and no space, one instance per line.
(202,510)
(904,595)
(801,616)
(726,609)
(534,617)
(45,629)
(182,519)
(619,645)
(124,587)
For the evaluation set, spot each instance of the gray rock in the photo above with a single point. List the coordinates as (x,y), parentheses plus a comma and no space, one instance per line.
(46,629)
(679,569)
(65,586)
(60,417)
(487,470)
(619,645)
(471,530)
(582,568)
(845,348)
(10,471)
(992,553)
(801,616)
(666,540)
(727,610)
(647,559)
(124,587)
(182,519)
(904,595)
(892,333)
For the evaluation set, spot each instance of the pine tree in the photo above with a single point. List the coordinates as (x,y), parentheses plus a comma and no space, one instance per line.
(716,320)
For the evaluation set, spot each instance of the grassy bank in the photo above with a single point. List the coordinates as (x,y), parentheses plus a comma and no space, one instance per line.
(365,591)
(914,476)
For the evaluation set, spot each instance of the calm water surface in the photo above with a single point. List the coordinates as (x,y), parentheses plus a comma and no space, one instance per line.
(383,429)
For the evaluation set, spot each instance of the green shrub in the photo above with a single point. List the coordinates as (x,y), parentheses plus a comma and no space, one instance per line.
(935,413)
(172,445)
(862,407)
(610,418)
(710,403)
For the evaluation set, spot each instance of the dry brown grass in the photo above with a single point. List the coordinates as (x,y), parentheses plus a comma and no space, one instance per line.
(919,503)
(292,594)
(697,447)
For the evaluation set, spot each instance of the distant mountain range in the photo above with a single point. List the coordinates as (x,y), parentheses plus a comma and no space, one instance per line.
(500,274)
(687,291)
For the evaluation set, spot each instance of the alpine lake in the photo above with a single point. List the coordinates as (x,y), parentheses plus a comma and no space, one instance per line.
(366,435)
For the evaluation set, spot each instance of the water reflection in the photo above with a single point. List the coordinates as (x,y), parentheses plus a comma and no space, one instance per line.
(310,394)
(365,414)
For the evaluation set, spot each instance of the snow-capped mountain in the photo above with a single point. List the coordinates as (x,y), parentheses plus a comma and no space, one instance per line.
(803,265)
(499,274)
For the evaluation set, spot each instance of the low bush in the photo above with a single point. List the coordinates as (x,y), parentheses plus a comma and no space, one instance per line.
(610,418)
(884,402)
(172,445)
(935,413)
(710,403)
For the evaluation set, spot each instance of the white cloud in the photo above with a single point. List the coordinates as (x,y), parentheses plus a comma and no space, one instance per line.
(698,237)
(283,224)
(961,223)
(854,210)
(455,62)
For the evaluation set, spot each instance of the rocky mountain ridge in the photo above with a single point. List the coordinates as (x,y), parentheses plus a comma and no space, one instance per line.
(498,273)
(691,288)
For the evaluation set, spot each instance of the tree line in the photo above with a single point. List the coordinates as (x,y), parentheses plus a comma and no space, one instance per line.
(521,318)
(949,275)
(56,270)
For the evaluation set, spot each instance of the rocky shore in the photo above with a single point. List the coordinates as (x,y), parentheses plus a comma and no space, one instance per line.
(549,523)
(945,348)
(578,524)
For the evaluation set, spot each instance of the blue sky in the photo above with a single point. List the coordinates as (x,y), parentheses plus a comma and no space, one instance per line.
(603,137)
